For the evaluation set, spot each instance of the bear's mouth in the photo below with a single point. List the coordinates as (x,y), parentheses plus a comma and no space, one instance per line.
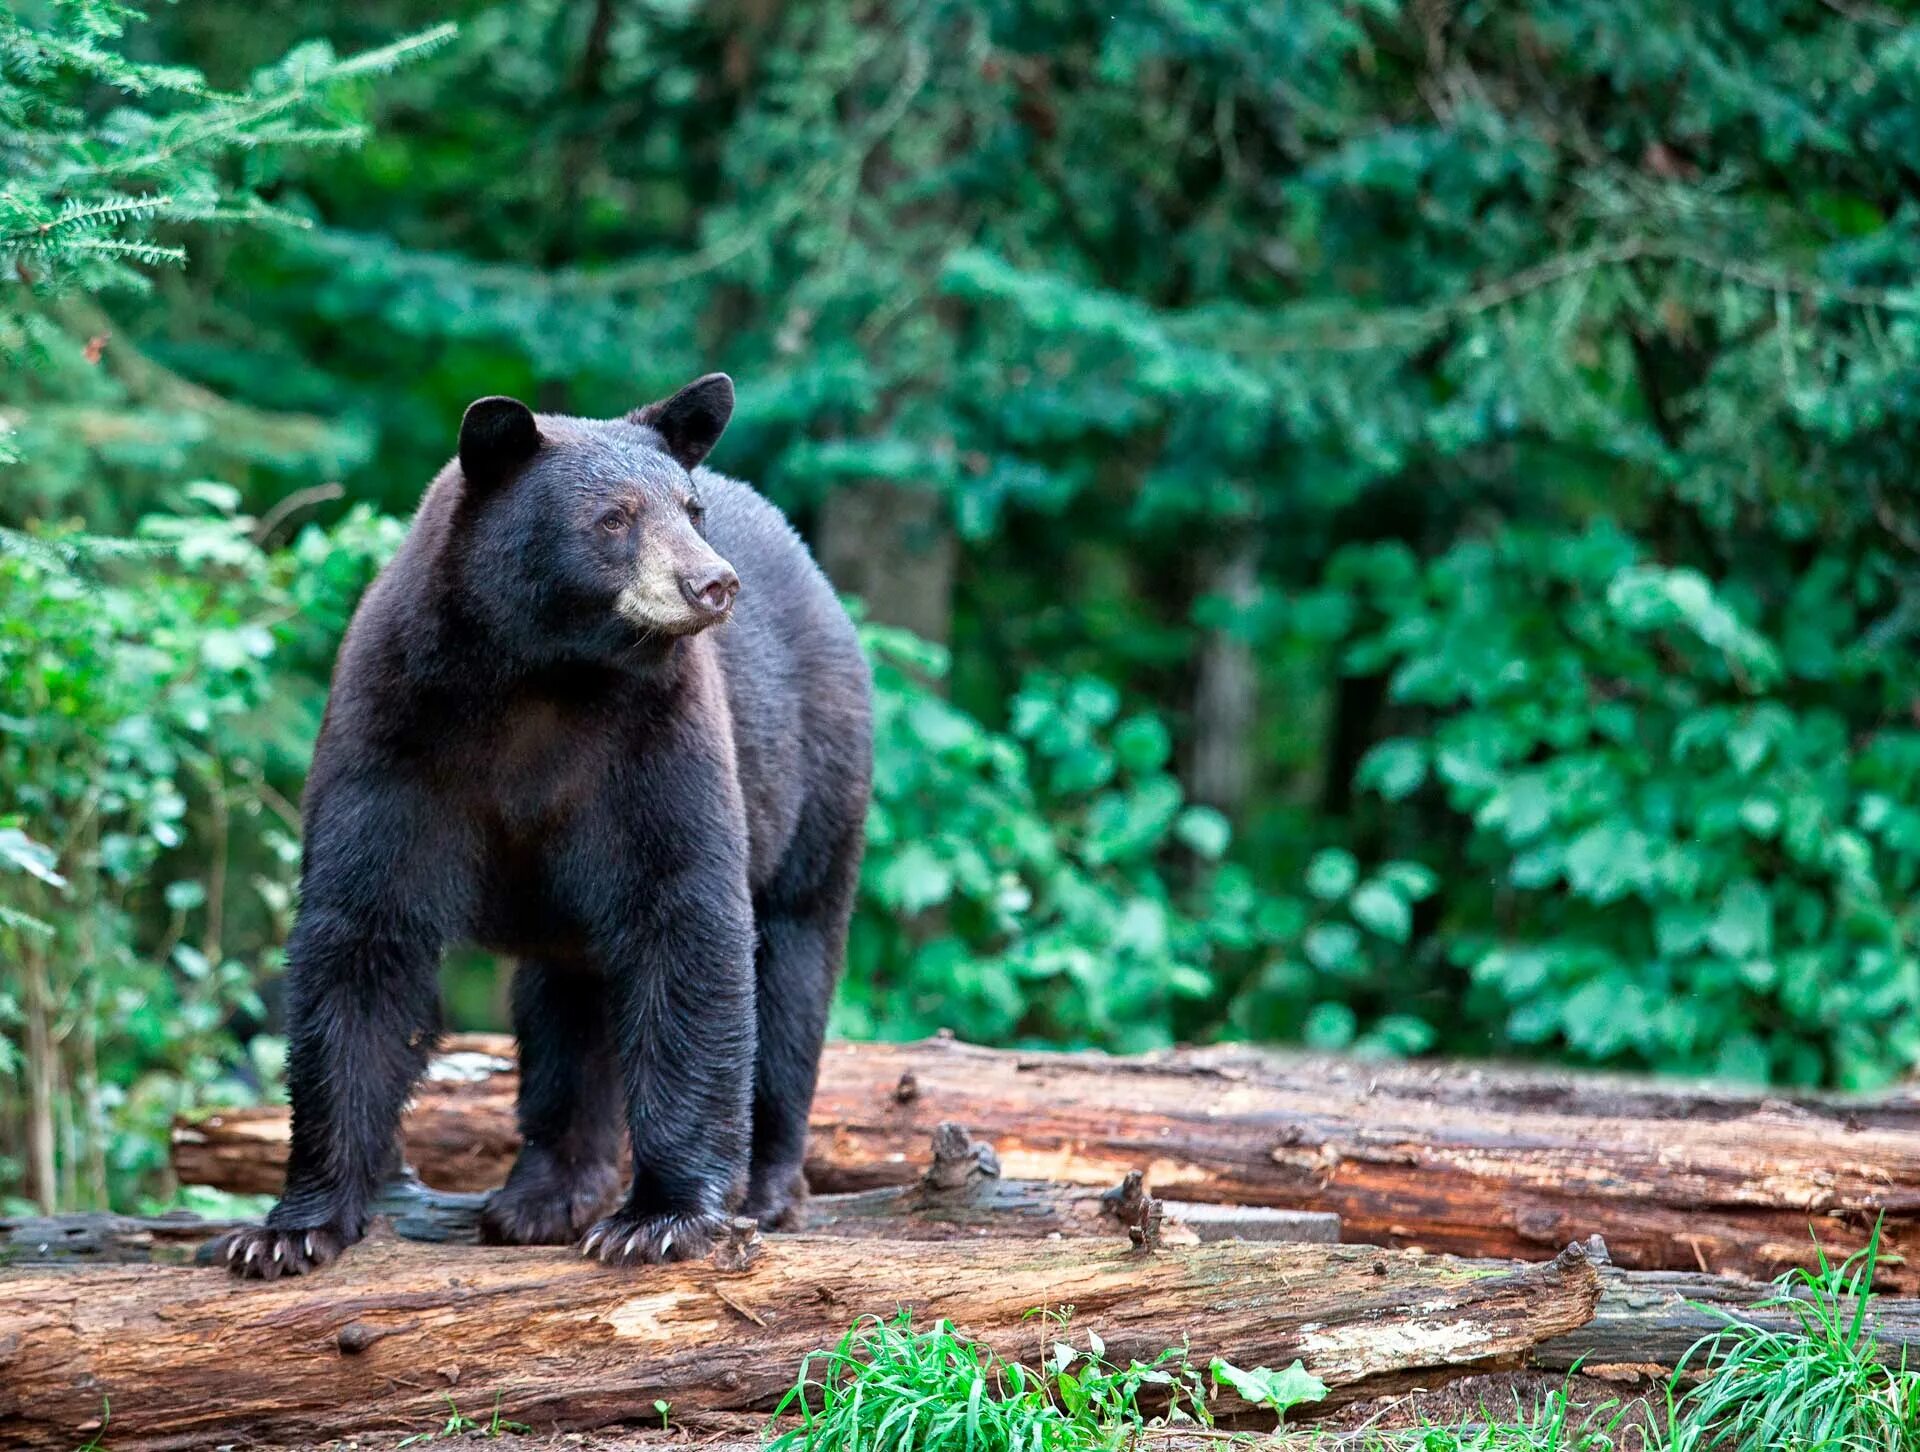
(654,626)
(652,610)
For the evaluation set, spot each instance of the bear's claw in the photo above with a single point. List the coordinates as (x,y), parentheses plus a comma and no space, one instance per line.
(624,1238)
(267,1252)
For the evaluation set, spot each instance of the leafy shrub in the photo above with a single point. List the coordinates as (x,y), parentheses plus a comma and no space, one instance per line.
(1015,883)
(1682,850)
(157,693)
(159,710)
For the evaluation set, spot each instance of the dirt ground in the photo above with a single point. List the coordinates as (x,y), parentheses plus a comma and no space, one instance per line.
(1468,1400)
(1502,1397)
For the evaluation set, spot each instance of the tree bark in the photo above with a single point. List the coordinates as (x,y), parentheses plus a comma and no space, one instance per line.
(1647,1322)
(1488,1162)
(41,1069)
(191,1358)
(961,1195)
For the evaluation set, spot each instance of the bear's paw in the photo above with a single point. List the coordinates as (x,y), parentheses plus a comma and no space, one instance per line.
(546,1208)
(625,1238)
(267,1252)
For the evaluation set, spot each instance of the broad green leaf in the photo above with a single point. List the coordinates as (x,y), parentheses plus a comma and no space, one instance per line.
(1377,907)
(1280,1390)
(1332,874)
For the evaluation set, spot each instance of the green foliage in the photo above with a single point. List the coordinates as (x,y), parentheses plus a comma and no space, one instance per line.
(155,722)
(1686,855)
(87,192)
(1014,884)
(1510,407)
(158,693)
(95,193)
(1277,1390)
(889,1388)
(459,1424)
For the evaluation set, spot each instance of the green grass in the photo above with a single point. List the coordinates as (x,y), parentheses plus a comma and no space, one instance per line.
(1819,1385)
(459,1424)
(890,1388)
(1554,1424)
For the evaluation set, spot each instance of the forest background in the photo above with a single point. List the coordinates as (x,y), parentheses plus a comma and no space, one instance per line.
(1387,526)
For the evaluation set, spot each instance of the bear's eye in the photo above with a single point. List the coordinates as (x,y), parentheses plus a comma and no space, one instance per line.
(696,511)
(614,521)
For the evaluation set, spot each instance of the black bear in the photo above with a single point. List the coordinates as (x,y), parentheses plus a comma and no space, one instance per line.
(554,731)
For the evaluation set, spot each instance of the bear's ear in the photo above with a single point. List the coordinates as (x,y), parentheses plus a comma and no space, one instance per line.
(497,436)
(692,420)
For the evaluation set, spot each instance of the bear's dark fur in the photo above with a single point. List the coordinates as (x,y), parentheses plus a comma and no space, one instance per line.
(553,732)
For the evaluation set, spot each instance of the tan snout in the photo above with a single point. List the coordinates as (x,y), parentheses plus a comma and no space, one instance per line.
(679,589)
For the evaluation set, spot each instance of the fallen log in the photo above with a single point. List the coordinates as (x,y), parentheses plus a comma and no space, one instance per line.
(1478,1161)
(1644,1324)
(960,1194)
(102,1239)
(1647,1322)
(459,1133)
(1490,1162)
(188,1357)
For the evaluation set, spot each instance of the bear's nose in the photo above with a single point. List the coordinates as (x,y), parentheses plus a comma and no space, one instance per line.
(712,592)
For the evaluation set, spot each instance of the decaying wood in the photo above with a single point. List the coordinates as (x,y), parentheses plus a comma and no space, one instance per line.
(1647,1321)
(960,1194)
(410,1209)
(105,1239)
(1474,1161)
(189,1357)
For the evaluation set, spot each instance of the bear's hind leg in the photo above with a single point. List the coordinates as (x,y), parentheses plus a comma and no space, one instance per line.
(570,1112)
(802,945)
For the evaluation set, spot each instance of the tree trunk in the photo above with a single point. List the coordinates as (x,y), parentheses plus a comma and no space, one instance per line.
(42,1173)
(1220,764)
(894,548)
(1474,1161)
(191,1358)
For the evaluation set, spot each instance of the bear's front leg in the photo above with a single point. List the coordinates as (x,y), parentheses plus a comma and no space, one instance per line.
(682,980)
(362,1015)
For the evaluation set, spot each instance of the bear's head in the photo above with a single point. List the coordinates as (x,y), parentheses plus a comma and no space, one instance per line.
(587,536)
